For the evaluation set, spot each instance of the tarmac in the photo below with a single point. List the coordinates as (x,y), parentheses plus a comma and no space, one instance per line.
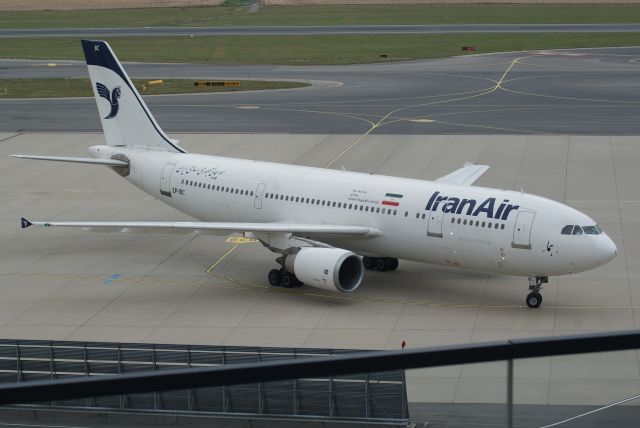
(577,91)
(76,285)
(297,30)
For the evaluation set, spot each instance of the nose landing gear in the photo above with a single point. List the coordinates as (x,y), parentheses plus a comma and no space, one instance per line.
(534,298)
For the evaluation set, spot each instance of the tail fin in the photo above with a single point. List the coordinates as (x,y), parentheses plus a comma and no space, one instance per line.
(126,120)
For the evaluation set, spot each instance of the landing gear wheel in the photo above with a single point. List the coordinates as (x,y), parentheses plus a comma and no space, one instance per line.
(369,262)
(289,280)
(382,264)
(275,278)
(534,300)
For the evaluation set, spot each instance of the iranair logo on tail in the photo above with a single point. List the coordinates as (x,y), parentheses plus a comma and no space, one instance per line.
(112,97)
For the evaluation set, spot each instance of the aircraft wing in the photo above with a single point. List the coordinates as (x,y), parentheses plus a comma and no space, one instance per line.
(93,161)
(204,227)
(465,176)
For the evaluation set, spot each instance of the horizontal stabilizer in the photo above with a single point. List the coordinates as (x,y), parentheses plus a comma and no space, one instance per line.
(195,226)
(465,176)
(107,162)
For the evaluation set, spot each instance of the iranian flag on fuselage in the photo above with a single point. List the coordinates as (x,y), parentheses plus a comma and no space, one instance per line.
(392,199)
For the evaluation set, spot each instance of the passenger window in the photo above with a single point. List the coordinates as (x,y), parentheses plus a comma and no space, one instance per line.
(484,224)
(502,226)
(496,226)
(453,220)
(464,222)
(423,216)
(459,221)
(339,204)
(489,225)
(567,229)
(406,213)
(251,193)
(417,215)
(577,230)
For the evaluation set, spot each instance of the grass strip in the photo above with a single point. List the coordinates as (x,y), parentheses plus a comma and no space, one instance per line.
(57,88)
(302,50)
(238,14)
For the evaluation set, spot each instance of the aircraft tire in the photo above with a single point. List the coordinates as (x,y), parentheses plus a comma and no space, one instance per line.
(393,263)
(369,262)
(275,277)
(382,264)
(534,300)
(289,280)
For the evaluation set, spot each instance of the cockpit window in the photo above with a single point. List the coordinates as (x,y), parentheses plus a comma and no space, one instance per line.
(591,230)
(572,229)
(567,229)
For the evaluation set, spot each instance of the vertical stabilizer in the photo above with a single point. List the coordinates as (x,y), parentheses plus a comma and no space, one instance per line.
(126,120)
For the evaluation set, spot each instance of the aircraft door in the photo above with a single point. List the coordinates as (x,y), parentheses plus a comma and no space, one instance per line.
(257,200)
(165,179)
(522,230)
(434,228)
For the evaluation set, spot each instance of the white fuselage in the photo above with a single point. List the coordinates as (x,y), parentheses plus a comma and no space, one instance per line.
(465,227)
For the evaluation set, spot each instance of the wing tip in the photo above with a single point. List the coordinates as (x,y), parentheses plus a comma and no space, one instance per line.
(24,223)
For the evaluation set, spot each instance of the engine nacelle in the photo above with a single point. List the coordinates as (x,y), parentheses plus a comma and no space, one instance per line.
(331,269)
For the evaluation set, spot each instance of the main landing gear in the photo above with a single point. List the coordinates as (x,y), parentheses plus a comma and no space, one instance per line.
(534,298)
(280,277)
(381,264)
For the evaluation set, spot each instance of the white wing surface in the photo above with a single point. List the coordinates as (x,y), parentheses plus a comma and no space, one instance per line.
(465,176)
(204,227)
(108,162)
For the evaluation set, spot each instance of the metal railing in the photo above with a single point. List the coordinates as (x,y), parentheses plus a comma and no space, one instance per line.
(343,364)
(379,396)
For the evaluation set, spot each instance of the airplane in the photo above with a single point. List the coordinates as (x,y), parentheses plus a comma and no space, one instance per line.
(328,226)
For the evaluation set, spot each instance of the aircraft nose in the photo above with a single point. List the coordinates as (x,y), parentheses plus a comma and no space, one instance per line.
(608,249)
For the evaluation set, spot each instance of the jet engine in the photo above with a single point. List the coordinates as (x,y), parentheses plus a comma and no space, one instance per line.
(332,269)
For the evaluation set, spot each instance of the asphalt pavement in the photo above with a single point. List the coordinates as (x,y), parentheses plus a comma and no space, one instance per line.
(577,91)
(322,29)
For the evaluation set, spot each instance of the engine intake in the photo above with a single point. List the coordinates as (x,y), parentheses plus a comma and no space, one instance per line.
(330,269)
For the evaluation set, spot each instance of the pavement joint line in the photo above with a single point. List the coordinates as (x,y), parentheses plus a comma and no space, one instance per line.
(10,137)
